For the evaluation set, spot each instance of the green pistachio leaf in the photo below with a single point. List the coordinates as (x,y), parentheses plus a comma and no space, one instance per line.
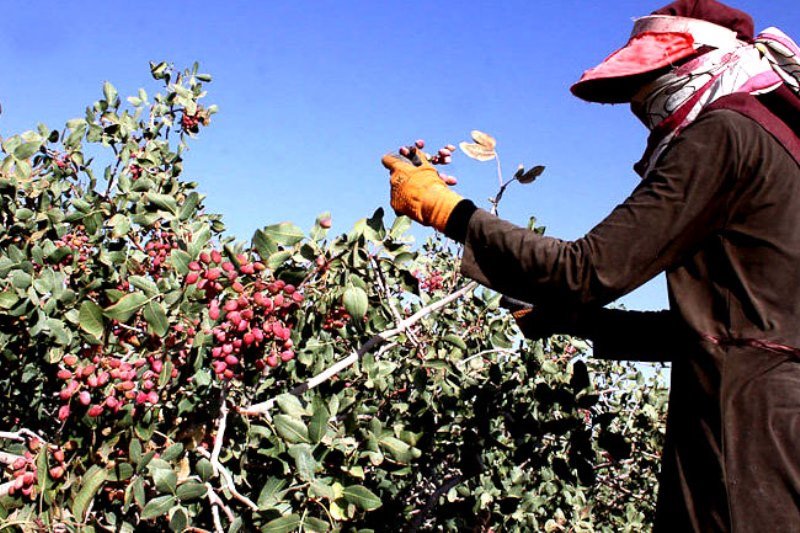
(362,497)
(126,306)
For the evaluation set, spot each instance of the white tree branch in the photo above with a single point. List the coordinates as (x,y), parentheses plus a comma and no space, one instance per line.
(217,504)
(21,435)
(222,424)
(227,480)
(8,458)
(384,289)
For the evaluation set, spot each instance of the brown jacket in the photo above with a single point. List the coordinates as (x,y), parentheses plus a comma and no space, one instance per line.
(721,216)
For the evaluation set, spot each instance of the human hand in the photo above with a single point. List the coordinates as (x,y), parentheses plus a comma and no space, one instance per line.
(418,190)
(540,323)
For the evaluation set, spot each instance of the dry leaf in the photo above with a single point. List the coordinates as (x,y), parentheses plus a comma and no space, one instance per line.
(531,175)
(484,139)
(184,471)
(477,151)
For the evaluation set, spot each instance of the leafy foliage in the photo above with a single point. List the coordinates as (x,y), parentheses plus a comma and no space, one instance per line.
(151,363)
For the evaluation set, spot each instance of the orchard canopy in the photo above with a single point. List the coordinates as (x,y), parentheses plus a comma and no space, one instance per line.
(159,374)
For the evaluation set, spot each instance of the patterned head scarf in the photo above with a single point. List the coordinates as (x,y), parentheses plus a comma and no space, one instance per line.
(670,103)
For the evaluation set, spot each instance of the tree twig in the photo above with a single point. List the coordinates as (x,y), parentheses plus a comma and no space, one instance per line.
(213,457)
(8,458)
(114,172)
(485,352)
(130,328)
(385,348)
(321,268)
(222,424)
(499,174)
(434,498)
(384,290)
(21,435)
(227,480)
(217,504)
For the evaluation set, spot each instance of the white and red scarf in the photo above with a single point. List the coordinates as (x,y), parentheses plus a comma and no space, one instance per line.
(673,101)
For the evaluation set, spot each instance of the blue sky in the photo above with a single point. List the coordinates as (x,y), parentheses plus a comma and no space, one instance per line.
(311,94)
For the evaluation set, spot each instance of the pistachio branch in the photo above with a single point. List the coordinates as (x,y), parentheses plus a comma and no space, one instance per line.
(375,341)
(383,287)
(8,458)
(22,435)
(218,469)
(217,504)
(220,436)
(227,480)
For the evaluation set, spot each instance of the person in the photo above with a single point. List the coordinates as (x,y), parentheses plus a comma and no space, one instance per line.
(718,210)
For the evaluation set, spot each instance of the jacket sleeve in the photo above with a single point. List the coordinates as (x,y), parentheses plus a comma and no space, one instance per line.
(668,216)
(651,336)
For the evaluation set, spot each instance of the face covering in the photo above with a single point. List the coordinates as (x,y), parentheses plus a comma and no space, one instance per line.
(673,101)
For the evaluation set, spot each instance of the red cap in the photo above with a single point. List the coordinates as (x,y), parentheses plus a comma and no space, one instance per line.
(671,34)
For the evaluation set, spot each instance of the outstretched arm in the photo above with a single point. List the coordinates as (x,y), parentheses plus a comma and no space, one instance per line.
(650,336)
(668,216)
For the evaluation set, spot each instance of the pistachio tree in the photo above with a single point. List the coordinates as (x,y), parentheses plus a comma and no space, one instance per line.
(160,374)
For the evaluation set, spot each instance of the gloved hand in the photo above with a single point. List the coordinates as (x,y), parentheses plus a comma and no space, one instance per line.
(540,323)
(418,191)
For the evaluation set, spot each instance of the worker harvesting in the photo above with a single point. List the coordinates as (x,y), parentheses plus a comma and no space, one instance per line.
(718,210)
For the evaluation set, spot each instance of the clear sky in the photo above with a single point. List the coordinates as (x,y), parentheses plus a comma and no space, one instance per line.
(311,94)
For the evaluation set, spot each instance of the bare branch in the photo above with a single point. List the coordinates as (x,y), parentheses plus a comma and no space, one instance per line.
(499,175)
(8,458)
(383,287)
(227,479)
(221,426)
(385,348)
(130,328)
(21,435)
(217,504)
(217,522)
(421,514)
(218,468)
(89,509)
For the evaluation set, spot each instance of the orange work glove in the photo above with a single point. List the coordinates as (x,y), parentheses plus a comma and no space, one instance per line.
(418,191)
